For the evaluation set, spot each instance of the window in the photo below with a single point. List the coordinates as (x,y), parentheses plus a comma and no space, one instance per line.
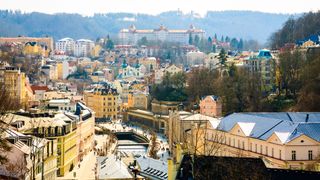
(279,154)
(238,143)
(267,150)
(242,144)
(250,147)
(229,141)
(234,142)
(310,155)
(256,148)
(293,155)
(272,152)
(48,149)
(260,149)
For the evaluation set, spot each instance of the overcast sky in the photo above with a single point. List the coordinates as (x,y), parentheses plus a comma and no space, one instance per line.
(89,7)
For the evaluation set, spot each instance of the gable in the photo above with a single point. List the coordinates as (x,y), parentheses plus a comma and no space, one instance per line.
(236,130)
(277,138)
(205,100)
(303,140)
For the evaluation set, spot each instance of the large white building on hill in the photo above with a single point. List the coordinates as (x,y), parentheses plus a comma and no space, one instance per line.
(133,35)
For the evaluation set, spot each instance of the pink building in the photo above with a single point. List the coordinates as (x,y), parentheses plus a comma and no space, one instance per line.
(211,106)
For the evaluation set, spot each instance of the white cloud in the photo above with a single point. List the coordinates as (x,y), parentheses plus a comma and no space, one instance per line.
(89,7)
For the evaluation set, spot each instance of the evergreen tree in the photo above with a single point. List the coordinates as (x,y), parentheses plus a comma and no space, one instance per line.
(222,38)
(222,56)
(227,39)
(109,44)
(240,45)
(196,40)
(234,43)
(190,39)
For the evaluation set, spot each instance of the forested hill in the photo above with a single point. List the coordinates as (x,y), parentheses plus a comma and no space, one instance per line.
(241,24)
(297,29)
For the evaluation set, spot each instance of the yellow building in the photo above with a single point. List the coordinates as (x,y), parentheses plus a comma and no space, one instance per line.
(308,44)
(29,155)
(47,149)
(47,41)
(57,127)
(33,48)
(175,162)
(67,150)
(59,70)
(103,101)
(15,83)
(96,50)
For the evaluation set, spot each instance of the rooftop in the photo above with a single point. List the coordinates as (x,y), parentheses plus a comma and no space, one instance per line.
(152,168)
(111,167)
(287,126)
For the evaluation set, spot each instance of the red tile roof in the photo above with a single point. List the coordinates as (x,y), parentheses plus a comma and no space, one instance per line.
(39,88)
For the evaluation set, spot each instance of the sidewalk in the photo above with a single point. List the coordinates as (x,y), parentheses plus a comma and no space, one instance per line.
(86,170)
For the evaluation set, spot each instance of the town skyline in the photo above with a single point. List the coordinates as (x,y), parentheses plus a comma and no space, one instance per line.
(174,96)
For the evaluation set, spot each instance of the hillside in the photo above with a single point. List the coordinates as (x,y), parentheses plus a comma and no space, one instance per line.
(240,24)
(297,29)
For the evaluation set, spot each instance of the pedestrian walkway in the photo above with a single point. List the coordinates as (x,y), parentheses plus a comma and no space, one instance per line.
(86,171)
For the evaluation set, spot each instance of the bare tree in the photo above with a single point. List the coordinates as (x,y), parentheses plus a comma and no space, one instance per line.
(205,141)
(154,147)
(17,168)
(7,104)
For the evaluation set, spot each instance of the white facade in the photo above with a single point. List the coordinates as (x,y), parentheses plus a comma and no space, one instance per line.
(195,58)
(50,71)
(65,45)
(211,61)
(65,69)
(79,48)
(83,48)
(133,35)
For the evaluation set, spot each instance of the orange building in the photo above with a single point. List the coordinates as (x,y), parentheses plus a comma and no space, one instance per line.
(211,106)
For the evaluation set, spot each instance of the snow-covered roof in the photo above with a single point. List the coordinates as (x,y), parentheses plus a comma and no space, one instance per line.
(66,39)
(287,126)
(246,127)
(111,167)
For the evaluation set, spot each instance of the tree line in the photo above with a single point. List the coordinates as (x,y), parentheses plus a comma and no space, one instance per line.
(296,86)
(296,29)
